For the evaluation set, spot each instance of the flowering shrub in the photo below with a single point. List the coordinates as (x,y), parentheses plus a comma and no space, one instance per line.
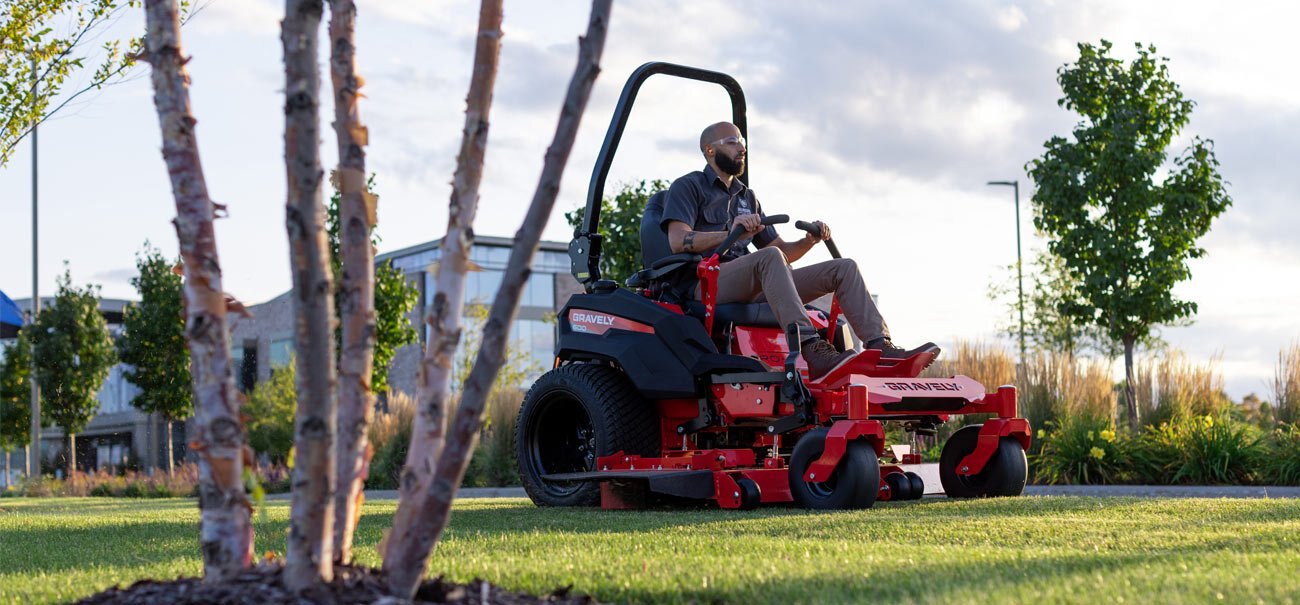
(183,482)
(132,484)
(1199,450)
(1080,449)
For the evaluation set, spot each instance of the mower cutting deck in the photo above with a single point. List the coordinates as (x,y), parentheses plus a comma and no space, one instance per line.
(657,396)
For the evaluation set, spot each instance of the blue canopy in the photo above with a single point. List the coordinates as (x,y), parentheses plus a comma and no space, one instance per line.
(9,312)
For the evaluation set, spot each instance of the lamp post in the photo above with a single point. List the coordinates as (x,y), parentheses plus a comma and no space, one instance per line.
(34,454)
(1020,276)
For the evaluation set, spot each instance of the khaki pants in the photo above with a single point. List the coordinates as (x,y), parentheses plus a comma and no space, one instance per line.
(765,276)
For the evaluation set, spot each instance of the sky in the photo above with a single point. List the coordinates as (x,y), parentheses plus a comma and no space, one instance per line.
(883,119)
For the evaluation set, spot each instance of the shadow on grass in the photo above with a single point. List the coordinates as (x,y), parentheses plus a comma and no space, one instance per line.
(524,518)
(53,549)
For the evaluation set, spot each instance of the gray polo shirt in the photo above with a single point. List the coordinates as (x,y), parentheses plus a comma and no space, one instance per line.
(701,200)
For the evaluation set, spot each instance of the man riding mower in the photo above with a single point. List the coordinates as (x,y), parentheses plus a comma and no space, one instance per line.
(712,381)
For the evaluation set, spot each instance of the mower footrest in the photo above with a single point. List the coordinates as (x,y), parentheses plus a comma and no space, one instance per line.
(685,484)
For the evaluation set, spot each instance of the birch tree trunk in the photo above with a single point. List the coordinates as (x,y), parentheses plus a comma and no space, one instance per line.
(432,392)
(357,218)
(408,557)
(226,536)
(309,554)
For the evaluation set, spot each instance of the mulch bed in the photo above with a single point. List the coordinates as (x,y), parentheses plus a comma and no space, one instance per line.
(351,586)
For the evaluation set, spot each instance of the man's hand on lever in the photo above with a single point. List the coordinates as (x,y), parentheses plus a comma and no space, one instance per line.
(752,223)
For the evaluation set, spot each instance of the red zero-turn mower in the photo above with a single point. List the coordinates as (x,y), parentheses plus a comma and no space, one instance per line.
(655,393)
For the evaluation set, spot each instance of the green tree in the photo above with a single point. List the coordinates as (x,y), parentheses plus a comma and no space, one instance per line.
(620,228)
(394,299)
(1046,328)
(1124,235)
(153,343)
(15,394)
(56,34)
(270,410)
(74,353)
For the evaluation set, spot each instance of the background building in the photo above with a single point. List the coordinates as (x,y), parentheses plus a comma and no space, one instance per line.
(265,341)
(121,436)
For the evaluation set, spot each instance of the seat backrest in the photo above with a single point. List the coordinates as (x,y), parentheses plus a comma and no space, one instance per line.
(654,240)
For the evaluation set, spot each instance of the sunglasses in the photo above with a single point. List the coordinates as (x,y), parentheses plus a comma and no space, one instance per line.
(731,140)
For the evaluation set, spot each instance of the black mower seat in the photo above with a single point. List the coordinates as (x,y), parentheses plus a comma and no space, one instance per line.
(759,315)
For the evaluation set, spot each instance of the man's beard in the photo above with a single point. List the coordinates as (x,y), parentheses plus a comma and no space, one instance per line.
(733,167)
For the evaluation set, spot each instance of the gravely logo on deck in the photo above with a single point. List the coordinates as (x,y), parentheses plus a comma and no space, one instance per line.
(938,385)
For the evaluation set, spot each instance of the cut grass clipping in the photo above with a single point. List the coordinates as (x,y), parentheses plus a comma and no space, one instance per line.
(1016,550)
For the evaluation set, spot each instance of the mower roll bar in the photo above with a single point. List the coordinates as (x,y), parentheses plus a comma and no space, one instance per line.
(584,250)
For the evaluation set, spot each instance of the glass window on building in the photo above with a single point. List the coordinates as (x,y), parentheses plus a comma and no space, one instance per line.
(281,352)
(537,338)
(482,286)
(540,291)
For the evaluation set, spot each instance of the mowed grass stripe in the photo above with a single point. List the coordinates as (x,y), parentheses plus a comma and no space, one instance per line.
(1046,550)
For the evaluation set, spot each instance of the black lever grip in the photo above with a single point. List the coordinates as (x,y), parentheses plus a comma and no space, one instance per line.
(775,219)
(815,230)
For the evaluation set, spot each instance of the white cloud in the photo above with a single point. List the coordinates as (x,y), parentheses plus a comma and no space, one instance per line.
(251,17)
(1011,18)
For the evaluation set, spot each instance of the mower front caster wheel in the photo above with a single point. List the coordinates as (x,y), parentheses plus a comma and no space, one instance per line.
(918,484)
(1004,474)
(854,484)
(900,487)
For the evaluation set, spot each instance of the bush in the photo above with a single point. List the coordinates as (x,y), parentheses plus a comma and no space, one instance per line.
(270,410)
(183,482)
(1286,385)
(1171,388)
(390,437)
(1281,466)
(1052,386)
(1082,449)
(493,462)
(1199,450)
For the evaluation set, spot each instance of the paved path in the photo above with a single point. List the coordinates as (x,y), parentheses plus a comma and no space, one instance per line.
(1138,491)
(1166,491)
(467,492)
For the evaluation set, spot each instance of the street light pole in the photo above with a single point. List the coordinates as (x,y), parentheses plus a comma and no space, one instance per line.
(1020,276)
(34,452)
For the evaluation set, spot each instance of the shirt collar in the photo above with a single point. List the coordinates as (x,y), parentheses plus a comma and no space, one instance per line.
(712,177)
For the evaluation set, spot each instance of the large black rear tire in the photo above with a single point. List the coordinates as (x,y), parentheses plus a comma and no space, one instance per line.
(1005,473)
(571,416)
(855,483)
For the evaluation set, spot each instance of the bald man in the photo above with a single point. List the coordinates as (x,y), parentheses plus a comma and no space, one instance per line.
(703,206)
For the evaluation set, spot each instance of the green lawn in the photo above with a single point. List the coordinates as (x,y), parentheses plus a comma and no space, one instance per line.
(1023,550)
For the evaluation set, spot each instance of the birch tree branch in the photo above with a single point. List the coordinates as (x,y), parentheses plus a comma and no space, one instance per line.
(404,565)
(468,420)
(356,219)
(225,534)
(309,554)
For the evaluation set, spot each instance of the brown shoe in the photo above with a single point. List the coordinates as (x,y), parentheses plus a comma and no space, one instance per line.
(822,358)
(888,350)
